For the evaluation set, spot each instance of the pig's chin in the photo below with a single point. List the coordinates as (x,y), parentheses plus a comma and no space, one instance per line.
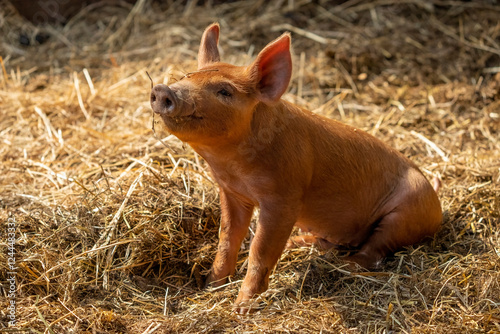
(182,123)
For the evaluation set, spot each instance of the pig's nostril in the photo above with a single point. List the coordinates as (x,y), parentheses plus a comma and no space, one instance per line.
(153,97)
(168,103)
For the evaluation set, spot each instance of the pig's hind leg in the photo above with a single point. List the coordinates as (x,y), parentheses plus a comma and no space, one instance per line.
(416,217)
(384,239)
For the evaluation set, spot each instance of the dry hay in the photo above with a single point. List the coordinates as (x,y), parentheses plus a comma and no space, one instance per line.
(116,230)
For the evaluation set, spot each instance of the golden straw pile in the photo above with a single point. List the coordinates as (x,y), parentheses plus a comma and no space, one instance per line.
(116,225)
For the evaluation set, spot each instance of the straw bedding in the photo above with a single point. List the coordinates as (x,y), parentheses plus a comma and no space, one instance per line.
(116,225)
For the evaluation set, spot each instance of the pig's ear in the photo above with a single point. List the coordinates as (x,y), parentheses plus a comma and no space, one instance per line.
(273,69)
(208,52)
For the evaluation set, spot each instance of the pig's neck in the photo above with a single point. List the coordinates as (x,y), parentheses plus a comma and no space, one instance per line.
(266,125)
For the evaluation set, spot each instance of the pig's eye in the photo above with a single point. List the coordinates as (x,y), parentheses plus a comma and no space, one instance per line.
(224,92)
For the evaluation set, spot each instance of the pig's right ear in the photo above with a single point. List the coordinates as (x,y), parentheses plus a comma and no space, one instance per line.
(272,69)
(209,53)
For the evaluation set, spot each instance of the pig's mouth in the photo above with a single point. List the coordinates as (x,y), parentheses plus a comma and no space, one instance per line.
(179,120)
(183,119)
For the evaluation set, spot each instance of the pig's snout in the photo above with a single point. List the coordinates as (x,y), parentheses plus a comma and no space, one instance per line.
(163,100)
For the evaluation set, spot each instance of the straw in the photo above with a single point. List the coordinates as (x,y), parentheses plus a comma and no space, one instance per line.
(116,232)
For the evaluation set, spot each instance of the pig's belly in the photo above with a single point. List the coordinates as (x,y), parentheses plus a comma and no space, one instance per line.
(341,225)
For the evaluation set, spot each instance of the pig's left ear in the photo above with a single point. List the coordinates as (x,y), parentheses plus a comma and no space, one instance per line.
(209,53)
(273,69)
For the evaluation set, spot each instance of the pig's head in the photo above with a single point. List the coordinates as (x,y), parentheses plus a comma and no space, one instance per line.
(217,101)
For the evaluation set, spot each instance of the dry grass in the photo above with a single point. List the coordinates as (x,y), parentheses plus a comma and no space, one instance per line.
(115,230)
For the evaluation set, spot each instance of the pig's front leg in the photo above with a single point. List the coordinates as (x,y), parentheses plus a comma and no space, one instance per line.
(235,219)
(273,229)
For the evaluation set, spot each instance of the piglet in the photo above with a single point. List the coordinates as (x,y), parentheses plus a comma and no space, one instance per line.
(340,184)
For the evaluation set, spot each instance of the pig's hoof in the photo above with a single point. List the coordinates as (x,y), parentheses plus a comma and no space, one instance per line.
(306,240)
(293,243)
(245,304)
(361,262)
(246,307)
